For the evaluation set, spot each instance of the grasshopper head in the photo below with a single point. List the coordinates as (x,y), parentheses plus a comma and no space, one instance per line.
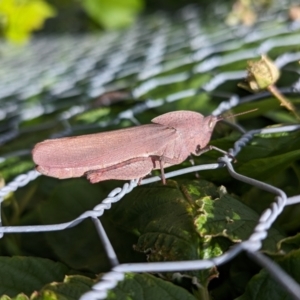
(207,126)
(206,129)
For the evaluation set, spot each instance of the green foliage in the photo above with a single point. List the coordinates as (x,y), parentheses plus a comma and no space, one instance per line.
(28,274)
(262,286)
(152,288)
(71,287)
(113,14)
(184,220)
(19,18)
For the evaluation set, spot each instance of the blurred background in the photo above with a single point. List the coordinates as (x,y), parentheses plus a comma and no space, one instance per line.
(20,19)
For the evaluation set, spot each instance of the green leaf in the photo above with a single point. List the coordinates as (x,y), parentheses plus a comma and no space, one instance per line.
(113,14)
(68,201)
(266,145)
(228,217)
(267,157)
(18,297)
(146,286)
(163,219)
(27,274)
(263,286)
(290,243)
(20,18)
(266,167)
(71,288)
(186,220)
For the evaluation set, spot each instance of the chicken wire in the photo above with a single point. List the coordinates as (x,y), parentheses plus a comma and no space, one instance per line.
(91,65)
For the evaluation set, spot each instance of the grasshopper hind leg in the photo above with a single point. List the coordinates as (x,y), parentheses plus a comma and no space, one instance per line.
(131,169)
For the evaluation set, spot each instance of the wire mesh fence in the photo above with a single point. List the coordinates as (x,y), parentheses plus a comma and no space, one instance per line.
(53,87)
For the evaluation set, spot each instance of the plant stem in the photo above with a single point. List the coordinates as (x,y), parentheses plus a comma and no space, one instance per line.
(283,101)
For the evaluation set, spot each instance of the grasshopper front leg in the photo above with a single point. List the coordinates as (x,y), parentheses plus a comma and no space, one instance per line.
(162,160)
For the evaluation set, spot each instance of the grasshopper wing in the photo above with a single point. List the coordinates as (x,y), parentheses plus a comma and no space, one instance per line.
(74,156)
